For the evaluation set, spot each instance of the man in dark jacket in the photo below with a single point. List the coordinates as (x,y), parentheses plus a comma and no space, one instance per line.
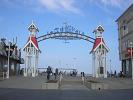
(49,71)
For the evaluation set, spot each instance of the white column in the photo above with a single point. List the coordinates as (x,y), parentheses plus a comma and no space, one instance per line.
(33,66)
(8,67)
(25,69)
(96,65)
(28,66)
(105,69)
(33,62)
(36,63)
(93,65)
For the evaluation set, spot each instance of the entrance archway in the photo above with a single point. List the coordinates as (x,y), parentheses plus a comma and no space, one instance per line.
(65,32)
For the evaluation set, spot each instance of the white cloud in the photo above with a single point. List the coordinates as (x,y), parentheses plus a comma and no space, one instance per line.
(42,5)
(60,5)
(107,5)
(114,3)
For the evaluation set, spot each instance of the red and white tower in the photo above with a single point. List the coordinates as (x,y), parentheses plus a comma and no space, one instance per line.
(99,52)
(31,50)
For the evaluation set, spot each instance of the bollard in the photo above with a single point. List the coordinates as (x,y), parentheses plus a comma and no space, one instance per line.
(60,78)
(83,80)
(3,75)
(99,89)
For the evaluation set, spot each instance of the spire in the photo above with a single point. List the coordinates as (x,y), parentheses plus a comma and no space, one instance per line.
(98,39)
(33,29)
(98,31)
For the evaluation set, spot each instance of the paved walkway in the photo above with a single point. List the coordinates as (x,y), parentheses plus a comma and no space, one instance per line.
(28,94)
(67,82)
(23,82)
(115,83)
(20,88)
(72,83)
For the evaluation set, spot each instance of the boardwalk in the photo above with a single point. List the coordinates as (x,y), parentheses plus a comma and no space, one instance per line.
(72,83)
(67,82)
(20,88)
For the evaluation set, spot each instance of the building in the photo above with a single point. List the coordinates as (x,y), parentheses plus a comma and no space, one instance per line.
(31,51)
(99,52)
(14,59)
(125,38)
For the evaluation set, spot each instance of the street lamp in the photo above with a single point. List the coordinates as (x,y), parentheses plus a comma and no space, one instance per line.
(60,63)
(74,59)
(131,45)
(7,76)
(110,68)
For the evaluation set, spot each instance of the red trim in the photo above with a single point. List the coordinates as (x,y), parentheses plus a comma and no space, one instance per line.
(96,43)
(33,39)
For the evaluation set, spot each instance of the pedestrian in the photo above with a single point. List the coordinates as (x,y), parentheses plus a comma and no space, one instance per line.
(115,74)
(60,77)
(83,77)
(49,71)
(56,73)
(81,74)
(123,74)
(108,74)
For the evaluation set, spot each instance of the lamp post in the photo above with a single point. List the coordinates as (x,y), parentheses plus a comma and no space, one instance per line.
(74,59)
(7,76)
(60,63)
(110,68)
(131,45)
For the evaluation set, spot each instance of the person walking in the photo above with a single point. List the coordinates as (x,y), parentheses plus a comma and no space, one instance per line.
(83,77)
(115,74)
(49,71)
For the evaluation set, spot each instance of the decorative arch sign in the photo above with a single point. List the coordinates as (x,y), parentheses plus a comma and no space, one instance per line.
(65,32)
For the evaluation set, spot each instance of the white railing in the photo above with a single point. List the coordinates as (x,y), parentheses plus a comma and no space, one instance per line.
(3,75)
(60,78)
(83,80)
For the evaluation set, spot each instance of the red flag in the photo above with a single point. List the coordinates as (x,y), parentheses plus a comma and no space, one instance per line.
(129,51)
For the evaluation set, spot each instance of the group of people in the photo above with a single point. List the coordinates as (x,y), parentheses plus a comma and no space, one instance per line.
(49,72)
(55,73)
(115,74)
(121,74)
(82,74)
(111,74)
(73,73)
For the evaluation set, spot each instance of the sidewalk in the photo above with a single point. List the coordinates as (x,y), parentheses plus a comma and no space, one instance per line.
(23,82)
(21,88)
(67,82)
(72,83)
(115,83)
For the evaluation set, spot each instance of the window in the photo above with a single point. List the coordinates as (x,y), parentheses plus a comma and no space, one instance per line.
(124,28)
(123,46)
(128,43)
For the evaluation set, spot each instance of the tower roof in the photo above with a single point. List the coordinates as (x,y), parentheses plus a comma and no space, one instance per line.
(33,27)
(33,40)
(97,43)
(100,29)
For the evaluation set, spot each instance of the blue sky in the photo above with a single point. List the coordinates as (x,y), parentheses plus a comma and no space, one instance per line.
(86,15)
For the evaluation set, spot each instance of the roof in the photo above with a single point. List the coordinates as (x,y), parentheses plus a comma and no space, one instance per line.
(33,40)
(97,43)
(33,26)
(124,12)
